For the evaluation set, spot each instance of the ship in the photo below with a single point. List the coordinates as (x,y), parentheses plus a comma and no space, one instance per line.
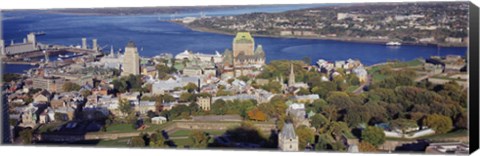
(393,44)
(39,33)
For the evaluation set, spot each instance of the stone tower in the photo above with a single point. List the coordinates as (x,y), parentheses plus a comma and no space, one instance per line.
(131,60)
(2,47)
(287,139)
(94,45)
(31,38)
(84,43)
(291,77)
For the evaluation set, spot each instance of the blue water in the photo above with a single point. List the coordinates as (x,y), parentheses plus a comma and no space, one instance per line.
(156,37)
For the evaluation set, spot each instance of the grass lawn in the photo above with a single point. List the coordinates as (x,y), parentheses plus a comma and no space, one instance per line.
(121,142)
(188,132)
(456,133)
(415,62)
(120,128)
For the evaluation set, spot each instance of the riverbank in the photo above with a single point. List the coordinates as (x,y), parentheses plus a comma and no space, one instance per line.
(344,39)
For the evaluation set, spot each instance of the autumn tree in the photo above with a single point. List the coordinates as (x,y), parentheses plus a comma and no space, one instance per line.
(257,115)
(441,124)
(366,147)
(373,135)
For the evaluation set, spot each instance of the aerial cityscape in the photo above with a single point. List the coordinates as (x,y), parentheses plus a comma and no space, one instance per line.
(375,78)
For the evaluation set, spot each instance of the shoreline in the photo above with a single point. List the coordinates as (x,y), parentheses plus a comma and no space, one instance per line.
(353,40)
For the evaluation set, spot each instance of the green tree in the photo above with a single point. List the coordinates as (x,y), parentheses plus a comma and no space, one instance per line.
(441,124)
(27,136)
(199,139)
(8,77)
(318,121)
(190,87)
(186,97)
(157,140)
(373,135)
(305,136)
(137,141)
(70,86)
(124,106)
(219,107)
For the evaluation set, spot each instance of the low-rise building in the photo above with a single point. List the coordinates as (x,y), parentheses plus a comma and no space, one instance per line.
(159,120)
(204,102)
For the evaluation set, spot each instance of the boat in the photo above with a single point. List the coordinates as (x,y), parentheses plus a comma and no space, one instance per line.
(39,33)
(60,59)
(60,56)
(393,44)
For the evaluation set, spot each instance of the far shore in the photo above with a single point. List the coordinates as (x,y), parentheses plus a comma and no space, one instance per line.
(350,39)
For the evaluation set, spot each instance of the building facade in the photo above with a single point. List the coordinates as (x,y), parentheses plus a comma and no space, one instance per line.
(204,102)
(131,60)
(245,58)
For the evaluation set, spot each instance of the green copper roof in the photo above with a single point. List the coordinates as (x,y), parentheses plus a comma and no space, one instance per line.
(243,37)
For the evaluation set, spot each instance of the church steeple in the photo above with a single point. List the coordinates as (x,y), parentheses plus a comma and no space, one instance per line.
(291,78)
(111,51)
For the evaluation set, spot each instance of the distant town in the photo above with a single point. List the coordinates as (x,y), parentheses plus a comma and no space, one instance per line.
(444,24)
(107,96)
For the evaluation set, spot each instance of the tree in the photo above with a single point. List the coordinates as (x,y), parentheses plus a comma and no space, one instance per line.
(256,114)
(218,107)
(441,124)
(461,121)
(124,106)
(199,139)
(366,147)
(373,135)
(403,124)
(305,136)
(137,141)
(186,97)
(190,87)
(319,121)
(8,77)
(86,93)
(70,86)
(119,86)
(157,139)
(303,91)
(26,135)
(60,116)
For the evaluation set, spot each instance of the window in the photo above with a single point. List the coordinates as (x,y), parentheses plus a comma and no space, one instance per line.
(290,146)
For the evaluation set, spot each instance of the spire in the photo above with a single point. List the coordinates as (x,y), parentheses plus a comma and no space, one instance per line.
(291,78)
(111,51)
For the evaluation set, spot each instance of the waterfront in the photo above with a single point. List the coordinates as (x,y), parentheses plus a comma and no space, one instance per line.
(155,36)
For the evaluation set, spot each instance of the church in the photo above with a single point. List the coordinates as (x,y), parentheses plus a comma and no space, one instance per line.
(245,59)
